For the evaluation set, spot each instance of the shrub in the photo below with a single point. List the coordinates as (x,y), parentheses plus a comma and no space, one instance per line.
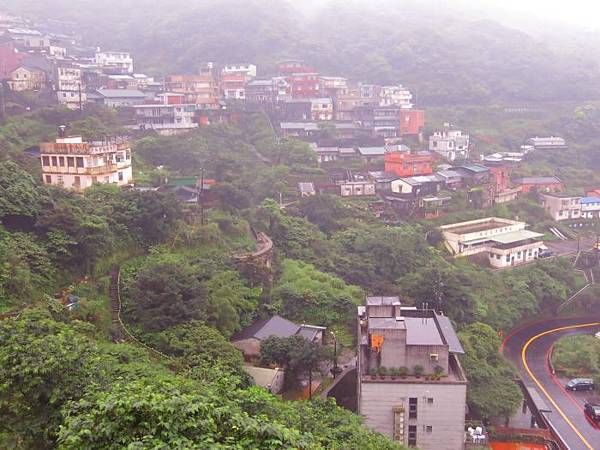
(383,371)
(402,371)
(418,370)
(438,371)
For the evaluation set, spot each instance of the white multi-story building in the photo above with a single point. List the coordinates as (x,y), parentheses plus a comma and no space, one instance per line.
(590,207)
(74,164)
(506,242)
(450,144)
(562,206)
(166,119)
(249,70)
(395,96)
(400,402)
(120,60)
(69,89)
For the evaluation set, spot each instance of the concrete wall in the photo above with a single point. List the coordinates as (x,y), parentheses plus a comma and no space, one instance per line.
(445,415)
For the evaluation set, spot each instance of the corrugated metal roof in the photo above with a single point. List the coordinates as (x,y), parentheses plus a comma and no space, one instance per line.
(121,93)
(262,329)
(422,331)
(587,200)
(371,151)
(449,334)
(515,236)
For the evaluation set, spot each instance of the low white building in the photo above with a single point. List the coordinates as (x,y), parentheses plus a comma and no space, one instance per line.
(396,95)
(450,144)
(119,60)
(69,86)
(249,70)
(506,241)
(74,164)
(356,188)
(547,143)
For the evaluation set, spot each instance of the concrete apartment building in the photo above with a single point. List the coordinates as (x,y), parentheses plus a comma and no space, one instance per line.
(247,70)
(450,144)
(166,119)
(74,164)
(69,86)
(122,61)
(395,96)
(506,242)
(562,206)
(414,411)
(547,143)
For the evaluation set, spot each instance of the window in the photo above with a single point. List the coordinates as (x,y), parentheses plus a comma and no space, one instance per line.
(61,161)
(412,408)
(412,435)
(70,161)
(54,161)
(59,180)
(45,161)
(429,429)
(49,179)
(430,400)
(79,160)
(507,258)
(77,182)
(120,176)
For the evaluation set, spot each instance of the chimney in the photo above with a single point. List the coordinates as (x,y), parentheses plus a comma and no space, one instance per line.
(61,131)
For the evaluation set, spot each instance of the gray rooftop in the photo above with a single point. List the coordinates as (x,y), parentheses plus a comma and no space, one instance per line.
(383,301)
(121,93)
(449,334)
(422,331)
(262,329)
(386,323)
(539,180)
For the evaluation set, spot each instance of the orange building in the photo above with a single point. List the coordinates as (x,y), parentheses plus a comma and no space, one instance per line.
(408,164)
(201,90)
(412,122)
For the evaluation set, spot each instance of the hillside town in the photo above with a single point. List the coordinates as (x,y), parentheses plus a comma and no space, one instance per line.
(355,245)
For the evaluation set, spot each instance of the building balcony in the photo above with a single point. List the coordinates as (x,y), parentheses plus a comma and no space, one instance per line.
(97,170)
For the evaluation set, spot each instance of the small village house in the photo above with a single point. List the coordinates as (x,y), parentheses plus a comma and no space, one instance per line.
(561,206)
(540,184)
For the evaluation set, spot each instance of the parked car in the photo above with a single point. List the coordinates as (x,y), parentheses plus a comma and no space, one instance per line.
(546,254)
(592,410)
(580,384)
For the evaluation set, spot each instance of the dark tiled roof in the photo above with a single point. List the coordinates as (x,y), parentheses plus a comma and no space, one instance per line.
(262,329)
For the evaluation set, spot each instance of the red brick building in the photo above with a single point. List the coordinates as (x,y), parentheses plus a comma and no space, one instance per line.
(304,85)
(540,184)
(408,164)
(412,122)
(10,59)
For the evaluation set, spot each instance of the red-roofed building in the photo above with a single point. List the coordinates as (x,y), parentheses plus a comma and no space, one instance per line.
(10,59)
(408,164)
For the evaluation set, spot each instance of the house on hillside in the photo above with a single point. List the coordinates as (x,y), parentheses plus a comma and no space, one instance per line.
(27,78)
(270,379)
(248,340)
(547,143)
(540,184)
(561,206)
(450,144)
(417,186)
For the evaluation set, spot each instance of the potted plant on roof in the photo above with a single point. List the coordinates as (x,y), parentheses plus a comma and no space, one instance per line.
(439,372)
(383,372)
(403,372)
(418,370)
(394,372)
(373,372)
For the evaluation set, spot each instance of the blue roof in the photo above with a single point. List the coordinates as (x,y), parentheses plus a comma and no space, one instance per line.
(586,200)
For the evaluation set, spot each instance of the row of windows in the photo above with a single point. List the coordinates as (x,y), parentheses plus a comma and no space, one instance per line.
(62,161)
(77,179)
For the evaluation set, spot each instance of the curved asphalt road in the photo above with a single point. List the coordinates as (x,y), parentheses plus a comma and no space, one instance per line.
(529,347)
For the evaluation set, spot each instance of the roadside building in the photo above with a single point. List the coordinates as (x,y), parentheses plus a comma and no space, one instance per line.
(248,340)
(540,184)
(506,242)
(449,143)
(233,86)
(590,207)
(74,164)
(561,206)
(122,62)
(408,164)
(270,379)
(27,78)
(547,143)
(428,413)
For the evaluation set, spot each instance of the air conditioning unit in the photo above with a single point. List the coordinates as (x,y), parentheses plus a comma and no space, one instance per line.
(434,356)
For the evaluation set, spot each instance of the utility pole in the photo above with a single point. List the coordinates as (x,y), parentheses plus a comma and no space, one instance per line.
(2,103)
(201,196)
(80,100)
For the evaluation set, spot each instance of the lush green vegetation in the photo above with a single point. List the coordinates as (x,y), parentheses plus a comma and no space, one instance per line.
(445,56)
(577,356)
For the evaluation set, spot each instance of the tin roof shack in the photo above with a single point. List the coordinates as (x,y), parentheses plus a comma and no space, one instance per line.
(451,178)
(473,174)
(399,401)
(506,242)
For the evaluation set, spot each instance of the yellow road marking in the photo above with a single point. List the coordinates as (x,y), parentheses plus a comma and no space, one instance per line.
(536,381)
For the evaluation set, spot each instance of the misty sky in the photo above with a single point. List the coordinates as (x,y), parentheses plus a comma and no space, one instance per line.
(584,13)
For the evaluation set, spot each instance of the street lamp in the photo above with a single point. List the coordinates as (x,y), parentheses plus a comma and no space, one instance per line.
(335,370)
